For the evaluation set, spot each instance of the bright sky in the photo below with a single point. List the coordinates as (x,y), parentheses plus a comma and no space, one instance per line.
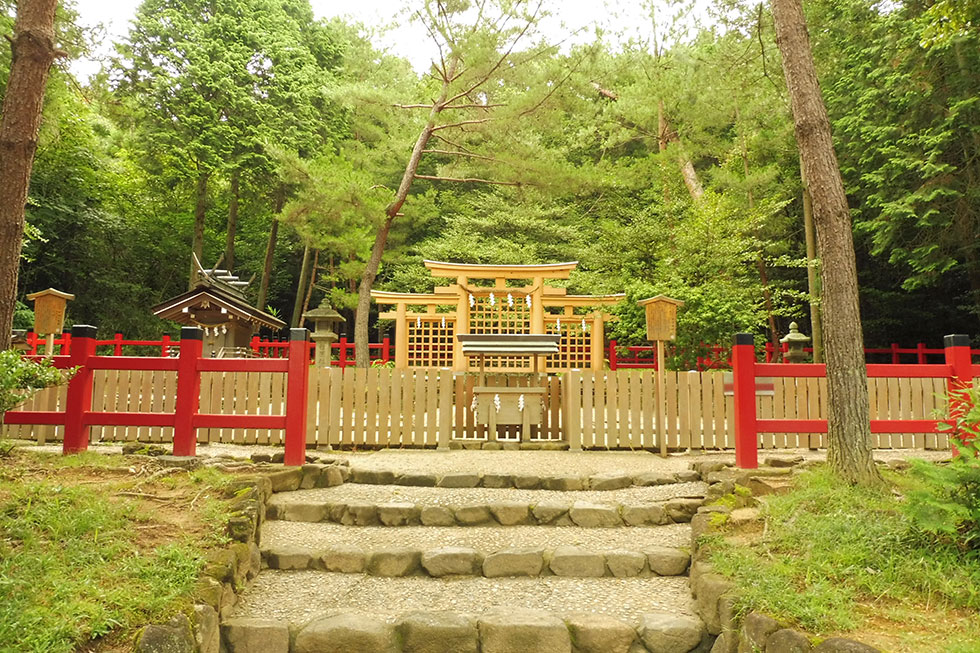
(408,40)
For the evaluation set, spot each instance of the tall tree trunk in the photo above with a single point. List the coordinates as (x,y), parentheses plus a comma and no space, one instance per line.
(232,221)
(667,136)
(270,249)
(848,421)
(304,272)
(32,53)
(309,287)
(361,336)
(812,280)
(200,210)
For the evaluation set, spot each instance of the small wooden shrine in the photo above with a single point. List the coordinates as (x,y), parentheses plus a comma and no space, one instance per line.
(497,299)
(217,303)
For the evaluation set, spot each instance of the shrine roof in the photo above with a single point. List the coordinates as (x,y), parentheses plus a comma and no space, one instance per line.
(203,296)
(488,271)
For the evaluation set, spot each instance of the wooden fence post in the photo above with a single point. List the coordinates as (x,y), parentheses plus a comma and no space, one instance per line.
(79,399)
(297,389)
(613,357)
(571,389)
(959,358)
(743,371)
(188,391)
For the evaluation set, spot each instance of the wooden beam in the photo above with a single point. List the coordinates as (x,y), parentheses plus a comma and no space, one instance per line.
(478,271)
(584,300)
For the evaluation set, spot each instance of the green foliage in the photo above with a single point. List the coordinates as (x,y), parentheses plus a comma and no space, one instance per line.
(830,548)
(21,377)
(305,109)
(909,165)
(23,316)
(946,503)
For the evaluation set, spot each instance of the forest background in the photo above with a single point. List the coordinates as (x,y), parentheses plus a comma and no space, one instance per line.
(250,132)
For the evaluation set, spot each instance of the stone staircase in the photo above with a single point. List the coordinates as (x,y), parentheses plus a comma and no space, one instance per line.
(511,552)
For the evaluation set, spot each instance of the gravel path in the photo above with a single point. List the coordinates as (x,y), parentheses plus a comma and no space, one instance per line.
(513,462)
(551,463)
(430,496)
(482,538)
(298,596)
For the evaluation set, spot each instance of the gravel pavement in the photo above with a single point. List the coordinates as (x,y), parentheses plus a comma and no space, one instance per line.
(513,462)
(483,538)
(298,596)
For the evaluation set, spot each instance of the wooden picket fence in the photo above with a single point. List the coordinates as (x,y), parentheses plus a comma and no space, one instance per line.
(380,407)
(617,410)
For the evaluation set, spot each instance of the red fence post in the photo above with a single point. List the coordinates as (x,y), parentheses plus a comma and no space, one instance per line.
(613,358)
(386,350)
(79,389)
(743,371)
(342,361)
(165,346)
(297,386)
(188,391)
(66,342)
(921,353)
(958,357)
(117,348)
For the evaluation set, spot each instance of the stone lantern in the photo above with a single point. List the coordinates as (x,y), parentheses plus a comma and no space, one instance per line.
(325,319)
(796,342)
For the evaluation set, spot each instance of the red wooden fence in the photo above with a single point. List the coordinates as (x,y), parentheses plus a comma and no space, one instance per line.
(380,351)
(958,370)
(78,415)
(718,357)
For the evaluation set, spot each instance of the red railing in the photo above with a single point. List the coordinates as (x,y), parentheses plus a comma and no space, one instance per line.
(344,349)
(958,370)
(645,356)
(34,343)
(78,415)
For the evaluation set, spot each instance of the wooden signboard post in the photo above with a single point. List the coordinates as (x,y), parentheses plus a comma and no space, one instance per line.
(49,315)
(661,314)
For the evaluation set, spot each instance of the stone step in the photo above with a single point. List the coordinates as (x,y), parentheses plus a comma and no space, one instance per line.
(500,631)
(503,513)
(403,560)
(485,538)
(599,482)
(389,505)
(298,597)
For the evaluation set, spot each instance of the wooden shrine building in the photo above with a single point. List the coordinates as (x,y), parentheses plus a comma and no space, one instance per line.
(493,299)
(217,303)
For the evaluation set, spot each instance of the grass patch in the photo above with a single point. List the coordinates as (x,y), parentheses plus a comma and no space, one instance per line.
(834,558)
(83,563)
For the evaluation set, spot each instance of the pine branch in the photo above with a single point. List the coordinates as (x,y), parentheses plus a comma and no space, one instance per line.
(467,180)
(460,124)
(467,154)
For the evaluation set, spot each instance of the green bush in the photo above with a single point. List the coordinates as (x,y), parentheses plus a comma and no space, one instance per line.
(946,503)
(21,377)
